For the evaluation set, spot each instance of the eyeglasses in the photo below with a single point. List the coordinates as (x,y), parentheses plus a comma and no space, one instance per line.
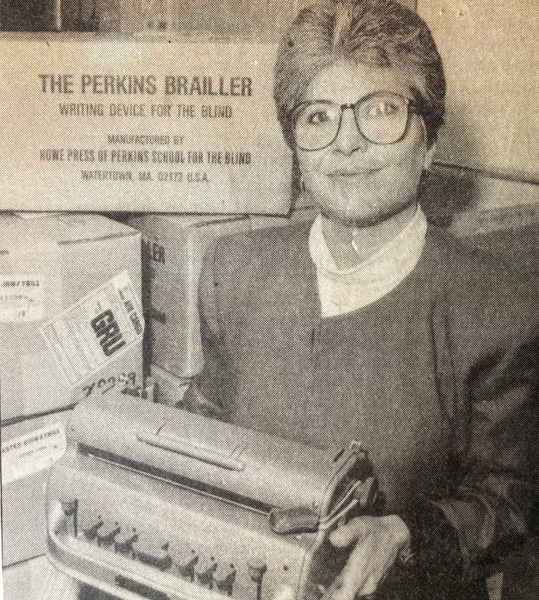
(381,118)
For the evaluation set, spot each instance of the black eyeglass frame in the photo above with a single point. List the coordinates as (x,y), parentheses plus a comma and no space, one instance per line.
(412,107)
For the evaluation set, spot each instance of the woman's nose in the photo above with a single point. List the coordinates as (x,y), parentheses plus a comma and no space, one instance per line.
(349,138)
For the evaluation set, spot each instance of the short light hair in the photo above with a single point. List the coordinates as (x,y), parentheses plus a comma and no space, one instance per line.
(377,33)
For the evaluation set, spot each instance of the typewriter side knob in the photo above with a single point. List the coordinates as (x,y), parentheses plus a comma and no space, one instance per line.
(367,493)
(69,505)
(70,508)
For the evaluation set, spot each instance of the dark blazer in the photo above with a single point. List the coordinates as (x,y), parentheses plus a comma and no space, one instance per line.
(439,379)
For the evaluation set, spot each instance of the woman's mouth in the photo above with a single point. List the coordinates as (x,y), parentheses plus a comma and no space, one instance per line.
(350,174)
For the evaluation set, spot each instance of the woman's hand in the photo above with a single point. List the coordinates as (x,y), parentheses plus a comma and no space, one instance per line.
(378,543)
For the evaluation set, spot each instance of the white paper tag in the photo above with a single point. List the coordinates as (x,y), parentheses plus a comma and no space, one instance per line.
(95,330)
(32,452)
(21,298)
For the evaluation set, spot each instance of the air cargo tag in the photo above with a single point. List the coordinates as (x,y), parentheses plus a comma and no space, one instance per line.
(95,330)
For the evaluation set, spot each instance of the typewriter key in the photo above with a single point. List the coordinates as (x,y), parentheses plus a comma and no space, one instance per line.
(123,542)
(205,575)
(225,580)
(186,564)
(89,527)
(152,553)
(107,533)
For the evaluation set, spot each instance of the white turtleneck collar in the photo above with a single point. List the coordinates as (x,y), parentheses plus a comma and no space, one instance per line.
(345,290)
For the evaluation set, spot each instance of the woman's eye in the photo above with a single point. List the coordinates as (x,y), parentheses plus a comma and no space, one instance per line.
(382,109)
(318,117)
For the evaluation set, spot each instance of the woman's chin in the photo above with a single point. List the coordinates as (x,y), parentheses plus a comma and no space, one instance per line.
(360,214)
(354,218)
(346,206)
(357,206)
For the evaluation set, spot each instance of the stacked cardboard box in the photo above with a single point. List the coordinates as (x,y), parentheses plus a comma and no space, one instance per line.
(70,327)
(29,448)
(170,388)
(48,265)
(173,249)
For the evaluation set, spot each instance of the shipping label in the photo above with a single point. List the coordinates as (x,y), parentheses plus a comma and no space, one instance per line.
(32,452)
(95,330)
(21,298)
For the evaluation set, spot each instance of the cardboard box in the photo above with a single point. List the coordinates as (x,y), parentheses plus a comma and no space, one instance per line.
(37,578)
(203,138)
(48,265)
(29,448)
(169,389)
(173,248)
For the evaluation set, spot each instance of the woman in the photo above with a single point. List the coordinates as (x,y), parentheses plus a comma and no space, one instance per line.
(368,324)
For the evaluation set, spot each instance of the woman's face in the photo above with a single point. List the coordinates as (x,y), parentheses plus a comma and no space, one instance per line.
(354,181)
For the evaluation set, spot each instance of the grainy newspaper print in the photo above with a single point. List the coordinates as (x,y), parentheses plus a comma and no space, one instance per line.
(268,317)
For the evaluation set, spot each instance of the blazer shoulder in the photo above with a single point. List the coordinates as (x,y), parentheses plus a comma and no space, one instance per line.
(484,290)
(466,262)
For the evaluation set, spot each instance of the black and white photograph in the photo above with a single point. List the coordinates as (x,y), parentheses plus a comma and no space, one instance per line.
(269,317)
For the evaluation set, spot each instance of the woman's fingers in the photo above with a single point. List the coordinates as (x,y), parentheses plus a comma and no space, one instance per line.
(378,541)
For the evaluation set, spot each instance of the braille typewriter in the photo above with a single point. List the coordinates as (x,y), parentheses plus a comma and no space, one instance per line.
(155,502)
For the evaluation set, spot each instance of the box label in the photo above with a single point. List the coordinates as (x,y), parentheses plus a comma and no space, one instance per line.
(21,298)
(193,126)
(32,452)
(96,330)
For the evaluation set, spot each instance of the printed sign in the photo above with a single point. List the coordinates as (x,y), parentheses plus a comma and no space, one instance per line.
(96,330)
(32,452)
(21,298)
(123,124)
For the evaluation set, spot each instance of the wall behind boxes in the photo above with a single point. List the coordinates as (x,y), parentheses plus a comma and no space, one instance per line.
(491,58)
(234,19)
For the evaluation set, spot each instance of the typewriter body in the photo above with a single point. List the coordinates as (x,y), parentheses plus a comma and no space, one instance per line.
(152,501)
